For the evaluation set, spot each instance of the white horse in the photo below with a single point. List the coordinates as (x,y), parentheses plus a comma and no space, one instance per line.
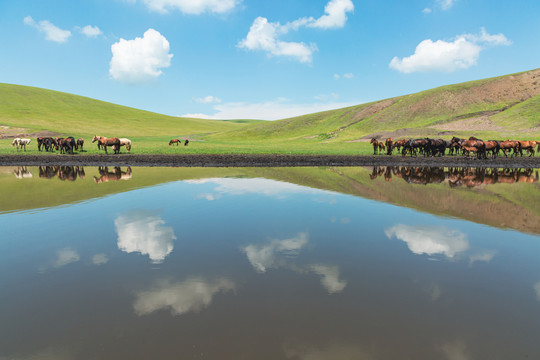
(20,143)
(125,142)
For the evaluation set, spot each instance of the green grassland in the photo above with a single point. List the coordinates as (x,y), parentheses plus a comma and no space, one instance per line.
(510,103)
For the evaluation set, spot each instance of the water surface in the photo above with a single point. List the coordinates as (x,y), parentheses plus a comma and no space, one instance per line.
(282,263)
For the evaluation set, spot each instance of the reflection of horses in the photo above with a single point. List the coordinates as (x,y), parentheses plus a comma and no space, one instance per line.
(104,142)
(22,172)
(21,143)
(469,177)
(175,141)
(63,172)
(115,175)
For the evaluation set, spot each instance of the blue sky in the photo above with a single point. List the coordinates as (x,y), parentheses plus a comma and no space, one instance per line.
(261,59)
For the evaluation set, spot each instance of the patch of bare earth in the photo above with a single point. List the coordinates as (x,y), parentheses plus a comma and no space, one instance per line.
(7,132)
(479,123)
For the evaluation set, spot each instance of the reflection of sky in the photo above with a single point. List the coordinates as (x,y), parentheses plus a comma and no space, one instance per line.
(64,257)
(430,240)
(191,295)
(233,186)
(144,232)
(281,254)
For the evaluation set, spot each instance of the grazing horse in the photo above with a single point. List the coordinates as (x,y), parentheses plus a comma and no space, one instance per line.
(175,141)
(80,143)
(187,142)
(389,142)
(375,146)
(399,144)
(66,145)
(104,142)
(125,142)
(21,143)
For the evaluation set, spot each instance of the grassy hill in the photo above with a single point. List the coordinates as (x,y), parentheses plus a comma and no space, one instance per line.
(38,109)
(497,107)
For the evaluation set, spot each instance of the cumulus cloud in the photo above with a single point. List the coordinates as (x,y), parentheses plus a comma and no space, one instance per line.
(430,240)
(192,295)
(208,100)
(335,14)
(264,35)
(141,59)
(100,259)
(427,11)
(267,256)
(194,7)
(270,110)
(64,257)
(91,31)
(461,53)
(52,32)
(446,4)
(144,232)
(329,278)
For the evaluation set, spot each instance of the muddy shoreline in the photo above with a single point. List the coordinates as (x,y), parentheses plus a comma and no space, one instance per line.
(260,160)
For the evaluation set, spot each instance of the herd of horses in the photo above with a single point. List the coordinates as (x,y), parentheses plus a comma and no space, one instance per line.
(467,147)
(455,176)
(68,144)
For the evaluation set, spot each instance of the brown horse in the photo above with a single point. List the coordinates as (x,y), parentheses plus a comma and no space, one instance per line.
(509,145)
(389,142)
(375,145)
(175,141)
(103,141)
(399,144)
(527,145)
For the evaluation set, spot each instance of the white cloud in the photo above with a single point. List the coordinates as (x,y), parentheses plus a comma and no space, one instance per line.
(91,31)
(427,11)
(329,278)
(267,256)
(335,14)
(100,259)
(194,7)
(64,257)
(344,76)
(430,240)
(446,4)
(537,290)
(192,295)
(143,232)
(141,59)
(208,100)
(269,110)
(52,32)
(263,35)
(448,56)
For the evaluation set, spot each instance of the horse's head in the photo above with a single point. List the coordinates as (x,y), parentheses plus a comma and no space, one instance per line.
(95,138)
(373,141)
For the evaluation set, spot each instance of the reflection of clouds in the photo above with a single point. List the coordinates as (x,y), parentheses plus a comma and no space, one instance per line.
(100,259)
(455,351)
(143,231)
(278,254)
(434,292)
(486,255)
(192,295)
(333,352)
(329,278)
(64,257)
(537,290)
(236,186)
(263,257)
(430,240)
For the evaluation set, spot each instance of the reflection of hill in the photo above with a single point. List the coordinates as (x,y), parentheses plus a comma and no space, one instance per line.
(503,203)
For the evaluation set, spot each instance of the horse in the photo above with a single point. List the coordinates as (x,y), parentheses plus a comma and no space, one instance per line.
(125,142)
(66,145)
(435,146)
(389,142)
(187,142)
(175,141)
(103,141)
(80,143)
(527,145)
(21,143)
(399,144)
(375,146)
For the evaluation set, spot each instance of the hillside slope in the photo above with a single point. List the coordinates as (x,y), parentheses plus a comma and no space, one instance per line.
(505,105)
(40,109)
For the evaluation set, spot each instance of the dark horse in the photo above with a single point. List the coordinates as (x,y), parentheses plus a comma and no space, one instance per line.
(175,141)
(103,141)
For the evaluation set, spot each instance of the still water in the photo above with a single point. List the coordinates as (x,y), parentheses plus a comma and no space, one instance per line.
(269,263)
